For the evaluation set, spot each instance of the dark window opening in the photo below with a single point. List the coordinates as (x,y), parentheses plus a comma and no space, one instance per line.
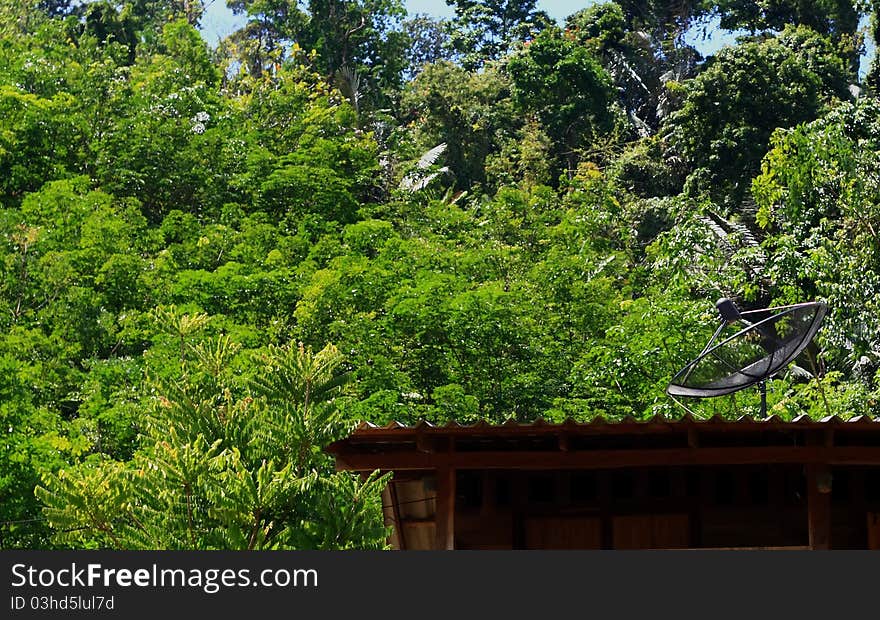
(841,484)
(541,490)
(795,487)
(659,484)
(759,491)
(469,489)
(693,482)
(502,492)
(584,487)
(622,485)
(725,487)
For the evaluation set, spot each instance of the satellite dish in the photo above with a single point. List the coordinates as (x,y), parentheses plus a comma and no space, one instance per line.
(762,344)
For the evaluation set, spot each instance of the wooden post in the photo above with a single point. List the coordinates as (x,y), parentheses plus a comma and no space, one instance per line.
(398,521)
(819,506)
(445,518)
(519,496)
(605,510)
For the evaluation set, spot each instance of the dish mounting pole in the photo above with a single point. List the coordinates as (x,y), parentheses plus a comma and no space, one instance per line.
(763,387)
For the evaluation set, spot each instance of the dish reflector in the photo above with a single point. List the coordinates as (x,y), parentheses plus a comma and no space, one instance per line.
(771,339)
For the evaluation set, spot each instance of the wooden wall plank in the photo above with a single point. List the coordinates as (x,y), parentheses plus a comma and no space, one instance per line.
(445,517)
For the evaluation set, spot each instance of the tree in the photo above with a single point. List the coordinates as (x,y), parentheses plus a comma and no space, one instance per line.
(428,42)
(152,14)
(227,466)
(568,91)
(823,16)
(640,64)
(35,441)
(731,109)
(308,156)
(482,32)
(472,113)
(816,199)
(664,20)
(836,19)
(362,36)
(102,21)
(153,148)
(873,77)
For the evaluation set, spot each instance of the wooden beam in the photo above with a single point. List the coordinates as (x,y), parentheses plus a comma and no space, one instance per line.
(445,516)
(607,459)
(818,506)
(829,437)
(424,443)
(393,538)
(563,442)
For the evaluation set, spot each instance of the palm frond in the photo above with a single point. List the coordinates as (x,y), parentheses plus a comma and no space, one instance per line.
(420,176)
(430,157)
(349,83)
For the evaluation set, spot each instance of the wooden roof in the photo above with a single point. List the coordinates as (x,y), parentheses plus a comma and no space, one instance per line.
(603,443)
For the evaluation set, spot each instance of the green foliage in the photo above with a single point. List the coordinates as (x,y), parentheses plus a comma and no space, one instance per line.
(30,123)
(497,232)
(523,159)
(568,91)
(428,42)
(603,24)
(482,32)
(471,113)
(641,61)
(817,196)
(646,169)
(362,36)
(824,16)
(733,107)
(665,20)
(226,465)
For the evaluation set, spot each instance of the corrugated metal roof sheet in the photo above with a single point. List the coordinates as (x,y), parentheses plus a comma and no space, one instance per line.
(395,431)
(599,422)
(601,442)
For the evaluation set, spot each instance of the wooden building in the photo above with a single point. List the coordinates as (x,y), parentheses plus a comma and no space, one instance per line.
(804,484)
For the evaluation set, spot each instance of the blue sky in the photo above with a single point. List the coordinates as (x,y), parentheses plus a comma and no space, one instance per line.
(557,9)
(218,21)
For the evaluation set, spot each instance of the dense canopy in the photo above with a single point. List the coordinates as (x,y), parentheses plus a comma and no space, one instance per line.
(214,262)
